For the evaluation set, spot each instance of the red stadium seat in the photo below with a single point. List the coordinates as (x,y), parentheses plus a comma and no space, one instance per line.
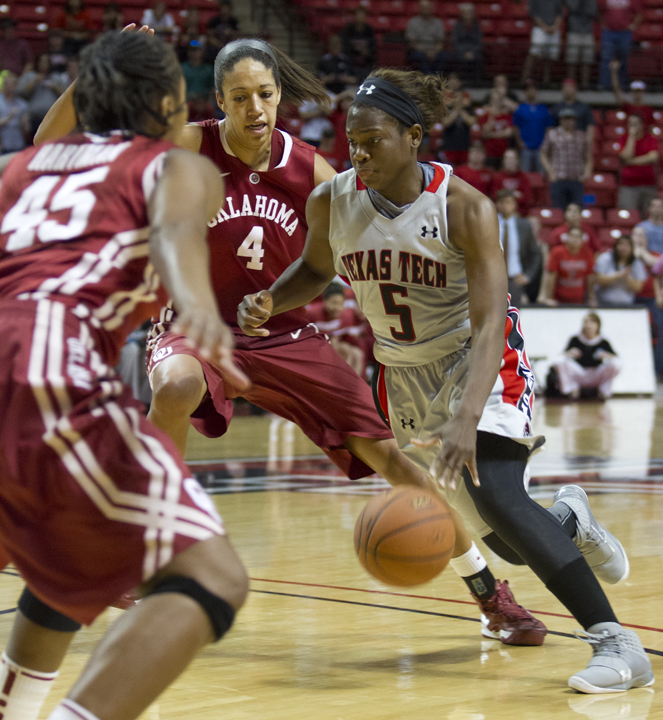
(658,117)
(593,216)
(610,148)
(515,28)
(607,163)
(603,187)
(598,116)
(609,236)
(489,11)
(549,217)
(622,218)
(614,132)
(654,14)
(649,31)
(488,26)
(540,191)
(515,10)
(615,117)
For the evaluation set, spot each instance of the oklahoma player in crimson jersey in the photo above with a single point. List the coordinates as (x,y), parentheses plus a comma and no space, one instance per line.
(94,500)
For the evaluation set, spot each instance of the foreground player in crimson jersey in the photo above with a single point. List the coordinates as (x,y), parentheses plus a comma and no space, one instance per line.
(94,500)
(421,249)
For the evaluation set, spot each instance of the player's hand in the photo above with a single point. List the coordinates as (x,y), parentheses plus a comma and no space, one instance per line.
(207,332)
(254,311)
(144,29)
(458,441)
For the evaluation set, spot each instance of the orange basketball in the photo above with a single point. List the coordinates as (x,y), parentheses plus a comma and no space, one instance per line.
(405,536)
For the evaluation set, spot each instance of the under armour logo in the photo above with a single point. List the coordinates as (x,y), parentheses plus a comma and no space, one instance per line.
(367,90)
(425,231)
(409,423)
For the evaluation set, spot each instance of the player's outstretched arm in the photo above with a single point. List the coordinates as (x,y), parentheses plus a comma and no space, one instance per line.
(189,192)
(304,280)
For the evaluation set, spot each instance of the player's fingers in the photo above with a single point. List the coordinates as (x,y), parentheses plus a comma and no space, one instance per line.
(129,27)
(263,298)
(248,318)
(474,472)
(230,371)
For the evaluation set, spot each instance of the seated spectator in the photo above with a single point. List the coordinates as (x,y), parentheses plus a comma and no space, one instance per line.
(14,120)
(189,31)
(340,324)
(327,149)
(521,251)
(160,20)
(55,51)
(41,87)
(639,156)
(338,118)
(200,108)
(112,18)
(501,83)
(457,123)
(512,178)
(618,21)
(636,106)
(573,219)
(583,113)
(588,361)
(224,26)
(649,296)
(653,226)
(359,44)
(496,129)
(580,38)
(475,172)
(15,53)
(619,274)
(425,39)
(71,73)
(76,25)
(199,77)
(315,119)
(567,159)
(468,44)
(545,39)
(569,275)
(531,120)
(334,68)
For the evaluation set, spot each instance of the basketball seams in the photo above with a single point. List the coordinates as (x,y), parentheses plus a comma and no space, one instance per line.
(422,521)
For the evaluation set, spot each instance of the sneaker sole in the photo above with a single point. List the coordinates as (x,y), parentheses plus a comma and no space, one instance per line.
(577,683)
(627,568)
(526,638)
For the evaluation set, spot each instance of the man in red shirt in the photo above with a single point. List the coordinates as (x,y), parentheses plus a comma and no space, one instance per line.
(619,18)
(496,128)
(636,107)
(639,155)
(569,275)
(512,178)
(475,172)
(573,218)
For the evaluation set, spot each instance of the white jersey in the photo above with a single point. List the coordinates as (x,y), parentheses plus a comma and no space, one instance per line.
(407,275)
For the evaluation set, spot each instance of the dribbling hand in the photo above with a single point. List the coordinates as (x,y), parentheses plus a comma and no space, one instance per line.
(144,29)
(207,332)
(254,311)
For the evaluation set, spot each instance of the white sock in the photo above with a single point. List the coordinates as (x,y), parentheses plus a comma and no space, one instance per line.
(470,563)
(70,710)
(22,691)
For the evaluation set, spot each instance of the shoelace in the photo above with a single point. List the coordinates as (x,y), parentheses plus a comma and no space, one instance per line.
(603,643)
(504,597)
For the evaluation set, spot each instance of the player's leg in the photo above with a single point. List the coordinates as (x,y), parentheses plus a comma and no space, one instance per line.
(178,387)
(619,661)
(152,643)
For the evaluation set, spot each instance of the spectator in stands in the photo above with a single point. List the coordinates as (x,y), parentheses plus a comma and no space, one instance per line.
(619,18)
(580,38)
(112,19)
(657,315)
(573,220)
(359,44)
(200,108)
(468,44)
(512,178)
(199,77)
(567,158)
(457,123)
(315,119)
(334,68)
(425,39)
(160,20)
(338,118)
(76,25)
(637,106)
(501,83)
(648,295)
(531,120)
(569,274)
(223,27)
(619,274)
(71,73)
(653,226)
(588,361)
(521,251)
(55,51)
(189,31)
(496,129)
(41,87)
(14,120)
(545,38)
(639,156)
(15,53)
(475,172)
(583,113)
(327,149)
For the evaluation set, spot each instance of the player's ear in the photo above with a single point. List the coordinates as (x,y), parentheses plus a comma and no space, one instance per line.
(416,136)
(219,102)
(278,94)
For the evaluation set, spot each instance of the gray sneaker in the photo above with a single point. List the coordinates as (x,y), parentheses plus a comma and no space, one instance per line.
(619,661)
(603,552)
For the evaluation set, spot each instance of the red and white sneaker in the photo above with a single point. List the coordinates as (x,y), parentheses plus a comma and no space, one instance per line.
(126,600)
(503,619)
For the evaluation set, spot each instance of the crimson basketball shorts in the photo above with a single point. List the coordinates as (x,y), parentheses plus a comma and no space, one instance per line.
(303,380)
(93,498)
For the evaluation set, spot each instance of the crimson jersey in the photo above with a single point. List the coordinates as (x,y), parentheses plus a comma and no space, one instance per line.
(262,228)
(74,229)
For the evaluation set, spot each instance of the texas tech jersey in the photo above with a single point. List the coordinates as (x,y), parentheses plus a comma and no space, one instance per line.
(407,275)
(74,229)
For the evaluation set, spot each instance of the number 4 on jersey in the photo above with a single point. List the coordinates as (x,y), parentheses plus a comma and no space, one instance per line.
(252,248)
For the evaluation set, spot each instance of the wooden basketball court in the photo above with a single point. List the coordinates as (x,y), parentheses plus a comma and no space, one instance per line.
(319,639)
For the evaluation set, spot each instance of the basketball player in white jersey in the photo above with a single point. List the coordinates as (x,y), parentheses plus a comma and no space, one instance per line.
(421,250)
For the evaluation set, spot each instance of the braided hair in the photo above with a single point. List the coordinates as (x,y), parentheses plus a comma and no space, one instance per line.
(122,80)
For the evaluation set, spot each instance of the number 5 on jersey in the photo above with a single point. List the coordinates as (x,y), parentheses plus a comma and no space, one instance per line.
(406,333)
(252,248)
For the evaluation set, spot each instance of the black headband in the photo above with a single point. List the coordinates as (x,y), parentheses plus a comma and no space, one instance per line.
(390,99)
(244,43)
